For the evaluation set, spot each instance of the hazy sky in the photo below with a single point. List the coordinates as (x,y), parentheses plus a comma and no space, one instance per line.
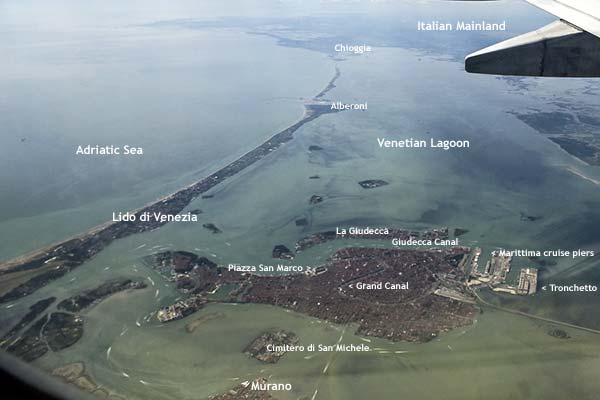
(69,14)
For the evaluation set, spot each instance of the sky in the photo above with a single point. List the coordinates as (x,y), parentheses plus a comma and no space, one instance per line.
(73,14)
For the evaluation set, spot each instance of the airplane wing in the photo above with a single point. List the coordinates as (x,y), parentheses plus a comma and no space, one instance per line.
(585,14)
(569,47)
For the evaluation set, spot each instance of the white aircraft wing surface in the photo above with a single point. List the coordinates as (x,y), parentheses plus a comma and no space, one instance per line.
(569,47)
(584,14)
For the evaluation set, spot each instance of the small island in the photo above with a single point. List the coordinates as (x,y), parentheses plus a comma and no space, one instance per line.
(35,310)
(75,374)
(315,199)
(88,298)
(559,334)
(529,218)
(211,227)
(59,330)
(281,251)
(259,347)
(392,233)
(177,262)
(246,391)
(372,183)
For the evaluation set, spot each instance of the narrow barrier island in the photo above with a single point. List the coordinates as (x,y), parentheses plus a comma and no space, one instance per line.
(40,267)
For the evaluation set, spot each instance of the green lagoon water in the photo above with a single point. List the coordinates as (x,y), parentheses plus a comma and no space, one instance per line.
(228,106)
